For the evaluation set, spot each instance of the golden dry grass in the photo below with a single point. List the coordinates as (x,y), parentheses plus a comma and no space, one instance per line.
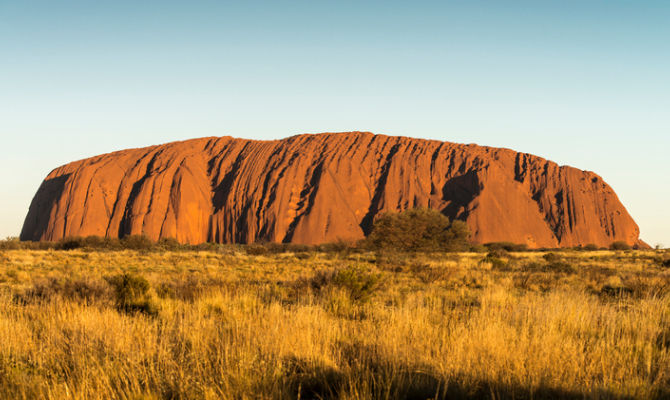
(234,326)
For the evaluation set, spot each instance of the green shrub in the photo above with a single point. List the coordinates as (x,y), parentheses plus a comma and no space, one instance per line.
(11,243)
(498,264)
(507,246)
(88,242)
(271,248)
(100,243)
(206,246)
(497,253)
(132,294)
(137,242)
(590,247)
(418,230)
(340,246)
(478,248)
(256,249)
(499,260)
(561,267)
(289,248)
(359,283)
(133,242)
(69,243)
(169,244)
(620,245)
(14,243)
(554,266)
(551,257)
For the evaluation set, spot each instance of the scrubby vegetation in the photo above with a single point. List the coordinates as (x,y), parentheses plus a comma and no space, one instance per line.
(618,245)
(232,323)
(143,243)
(418,230)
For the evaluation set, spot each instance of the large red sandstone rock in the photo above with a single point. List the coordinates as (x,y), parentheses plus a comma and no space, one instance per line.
(321,188)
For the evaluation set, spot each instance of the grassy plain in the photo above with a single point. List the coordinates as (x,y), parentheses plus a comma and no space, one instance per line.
(227,324)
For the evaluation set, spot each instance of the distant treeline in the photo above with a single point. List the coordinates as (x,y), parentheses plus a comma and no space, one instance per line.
(140,242)
(415,230)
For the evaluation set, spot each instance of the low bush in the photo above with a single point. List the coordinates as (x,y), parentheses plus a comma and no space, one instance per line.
(132,294)
(256,250)
(551,257)
(132,242)
(340,246)
(507,246)
(289,248)
(169,244)
(620,245)
(69,243)
(562,267)
(497,253)
(87,242)
(478,248)
(359,283)
(137,242)
(11,243)
(499,260)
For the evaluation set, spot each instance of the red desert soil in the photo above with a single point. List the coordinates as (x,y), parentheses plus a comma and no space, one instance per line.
(321,188)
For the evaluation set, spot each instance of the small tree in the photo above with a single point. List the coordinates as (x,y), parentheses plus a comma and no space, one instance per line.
(418,230)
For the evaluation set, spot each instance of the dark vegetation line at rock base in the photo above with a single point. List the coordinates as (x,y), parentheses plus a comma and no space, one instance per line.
(140,242)
(414,230)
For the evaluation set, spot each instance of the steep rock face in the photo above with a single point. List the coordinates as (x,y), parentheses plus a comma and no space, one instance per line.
(321,188)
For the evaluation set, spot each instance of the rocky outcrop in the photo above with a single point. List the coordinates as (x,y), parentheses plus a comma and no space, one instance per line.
(321,188)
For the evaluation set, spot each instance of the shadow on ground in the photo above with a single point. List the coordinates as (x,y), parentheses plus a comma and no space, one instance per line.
(364,372)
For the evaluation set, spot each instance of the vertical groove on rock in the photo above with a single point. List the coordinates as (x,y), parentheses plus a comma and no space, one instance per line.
(375,204)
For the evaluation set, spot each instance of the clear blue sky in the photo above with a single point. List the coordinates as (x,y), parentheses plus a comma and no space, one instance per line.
(584,83)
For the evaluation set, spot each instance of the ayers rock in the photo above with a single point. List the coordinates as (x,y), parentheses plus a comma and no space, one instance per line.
(321,188)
